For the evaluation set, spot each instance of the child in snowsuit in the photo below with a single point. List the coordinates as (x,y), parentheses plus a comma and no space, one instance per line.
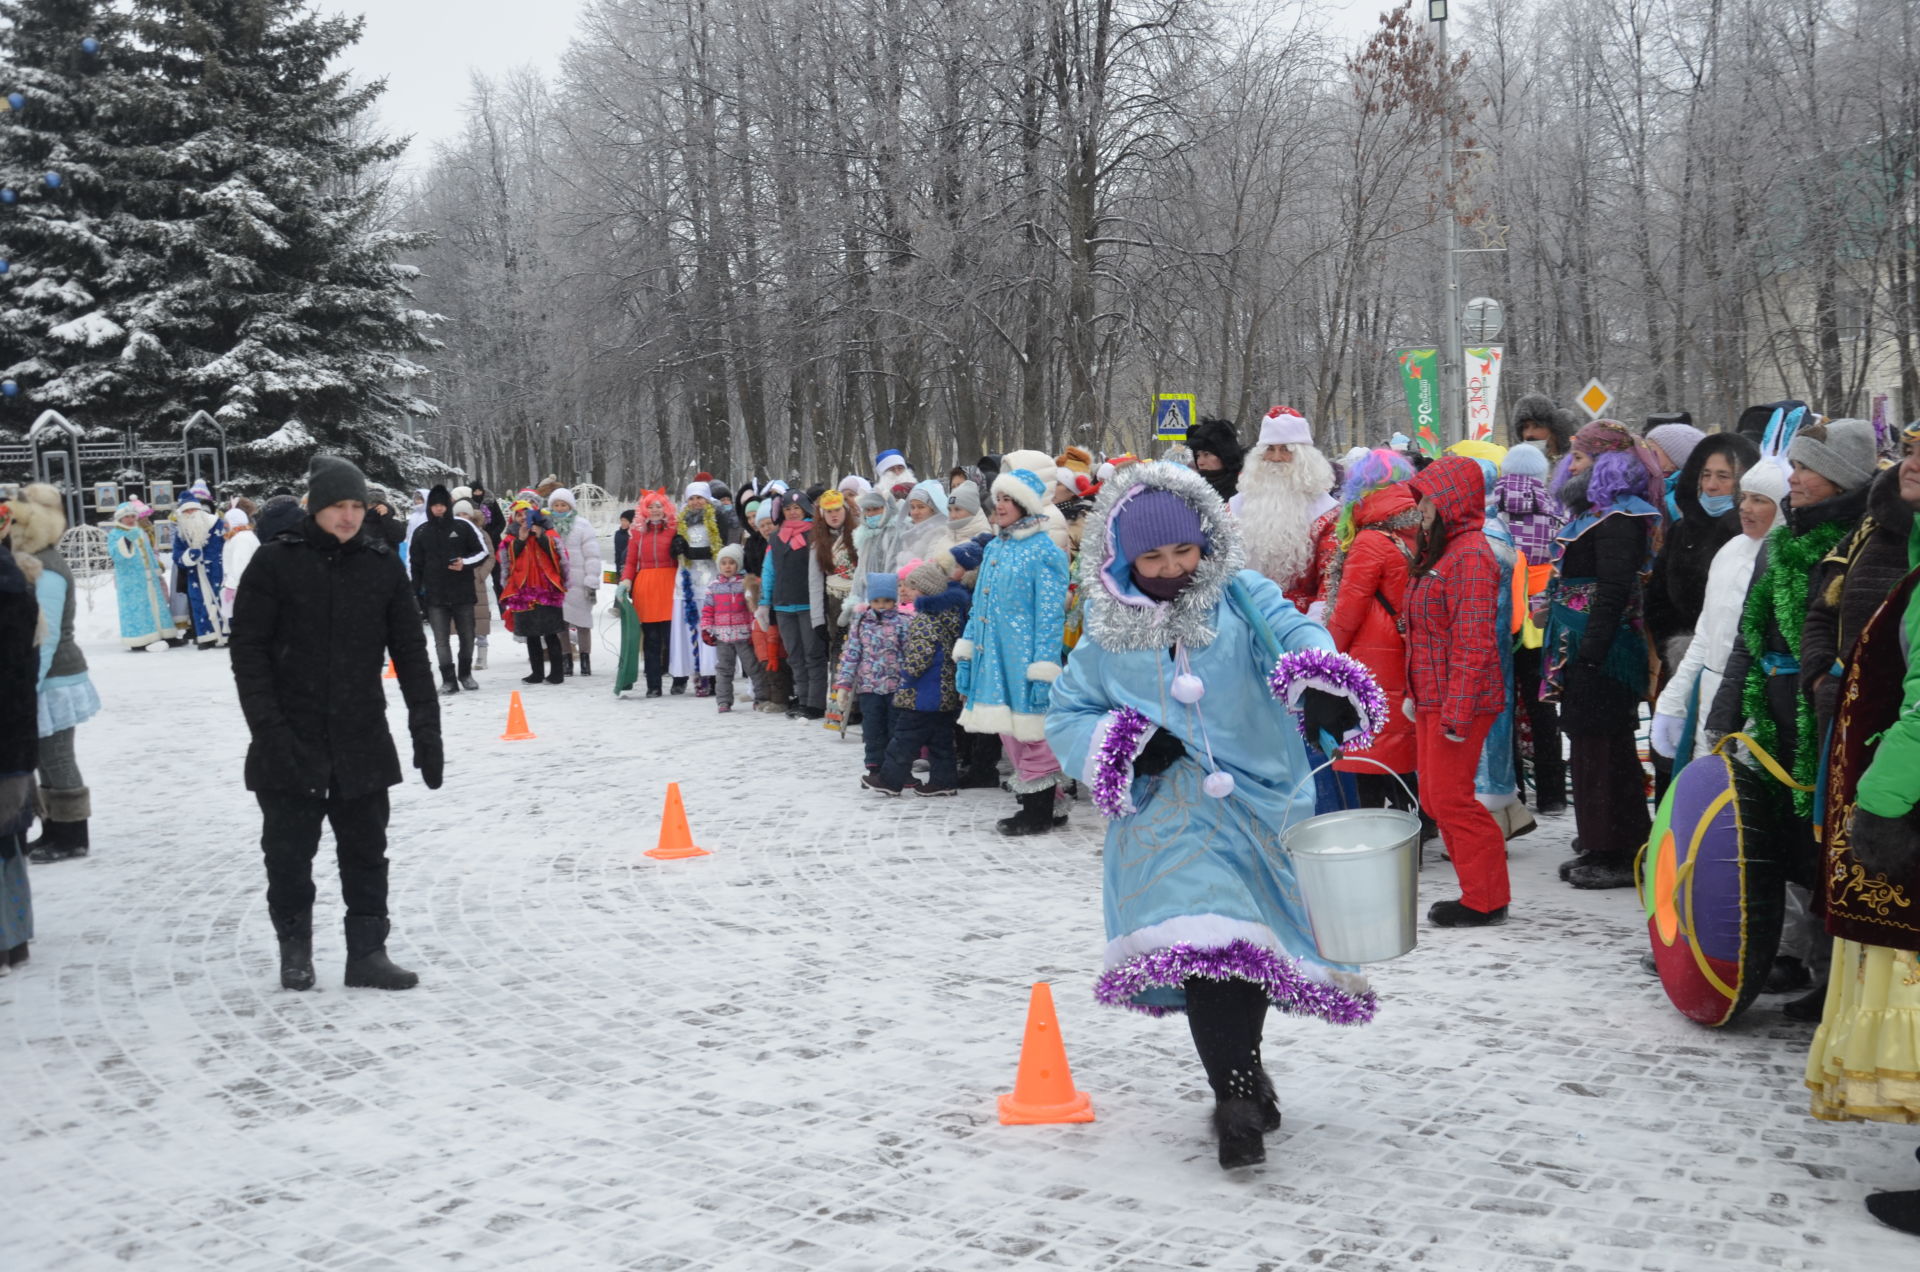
(726,623)
(870,663)
(927,702)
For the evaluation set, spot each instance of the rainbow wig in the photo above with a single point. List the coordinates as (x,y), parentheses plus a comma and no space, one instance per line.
(1375,470)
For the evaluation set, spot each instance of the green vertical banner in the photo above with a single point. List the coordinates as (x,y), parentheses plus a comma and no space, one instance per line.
(1420,374)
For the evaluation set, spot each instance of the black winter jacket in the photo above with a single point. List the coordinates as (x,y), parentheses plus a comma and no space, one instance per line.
(1857,576)
(1677,589)
(312,630)
(1612,554)
(437,544)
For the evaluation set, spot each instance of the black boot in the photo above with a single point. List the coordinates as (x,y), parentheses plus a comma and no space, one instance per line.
(1809,1007)
(294,928)
(559,663)
(1237,1122)
(59,841)
(679,684)
(1898,1210)
(1034,818)
(1597,875)
(17,955)
(537,659)
(1788,975)
(1226,1018)
(586,663)
(569,662)
(448,685)
(368,966)
(467,681)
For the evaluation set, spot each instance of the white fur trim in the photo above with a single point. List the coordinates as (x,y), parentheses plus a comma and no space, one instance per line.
(963,650)
(1002,719)
(1030,500)
(1047,671)
(1289,429)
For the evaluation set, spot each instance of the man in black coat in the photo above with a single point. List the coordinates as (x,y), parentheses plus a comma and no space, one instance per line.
(441,557)
(1218,455)
(323,607)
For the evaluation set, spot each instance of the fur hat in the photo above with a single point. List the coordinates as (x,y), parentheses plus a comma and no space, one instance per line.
(38,519)
(1218,438)
(1024,487)
(1284,426)
(700,488)
(1039,463)
(1538,408)
(1075,458)
(927,578)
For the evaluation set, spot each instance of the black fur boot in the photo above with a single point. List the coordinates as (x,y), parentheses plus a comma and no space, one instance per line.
(1034,818)
(294,929)
(368,966)
(1238,1123)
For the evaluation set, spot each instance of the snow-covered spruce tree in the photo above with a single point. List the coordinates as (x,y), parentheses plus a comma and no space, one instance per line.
(241,264)
(67,208)
(287,299)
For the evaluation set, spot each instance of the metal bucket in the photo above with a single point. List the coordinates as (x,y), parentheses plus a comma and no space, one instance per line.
(1358,871)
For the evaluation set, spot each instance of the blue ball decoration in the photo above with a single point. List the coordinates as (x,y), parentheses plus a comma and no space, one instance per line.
(9,388)
(17,100)
(89,46)
(7,195)
(53,180)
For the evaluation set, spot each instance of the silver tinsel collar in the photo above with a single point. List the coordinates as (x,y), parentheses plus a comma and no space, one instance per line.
(1137,623)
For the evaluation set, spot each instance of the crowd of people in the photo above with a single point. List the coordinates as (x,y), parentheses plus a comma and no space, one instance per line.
(1183,643)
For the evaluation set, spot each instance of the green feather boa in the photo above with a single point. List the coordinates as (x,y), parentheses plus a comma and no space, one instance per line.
(1780,598)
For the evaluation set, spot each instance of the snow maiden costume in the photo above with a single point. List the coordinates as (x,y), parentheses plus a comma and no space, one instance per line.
(197,545)
(1009,655)
(1167,710)
(139,585)
(584,570)
(696,542)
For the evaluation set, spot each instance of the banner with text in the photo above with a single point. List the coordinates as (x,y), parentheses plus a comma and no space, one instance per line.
(1420,373)
(1483,391)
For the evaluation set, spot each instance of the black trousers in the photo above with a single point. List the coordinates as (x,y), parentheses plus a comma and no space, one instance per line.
(653,650)
(290,836)
(457,619)
(912,730)
(547,654)
(1226,1018)
(1610,811)
(1549,766)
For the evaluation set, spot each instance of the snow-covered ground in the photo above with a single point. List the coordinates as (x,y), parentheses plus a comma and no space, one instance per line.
(785,1055)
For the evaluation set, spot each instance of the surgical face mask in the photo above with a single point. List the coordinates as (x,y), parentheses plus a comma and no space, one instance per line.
(875,518)
(1717,505)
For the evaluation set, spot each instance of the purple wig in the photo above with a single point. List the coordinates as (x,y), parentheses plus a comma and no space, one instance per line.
(1614,476)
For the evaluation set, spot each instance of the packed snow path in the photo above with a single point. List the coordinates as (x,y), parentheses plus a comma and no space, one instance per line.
(785,1055)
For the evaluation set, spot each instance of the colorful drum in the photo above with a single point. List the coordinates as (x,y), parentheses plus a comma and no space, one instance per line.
(1713,888)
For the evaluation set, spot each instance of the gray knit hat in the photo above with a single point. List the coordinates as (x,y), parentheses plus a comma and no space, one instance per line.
(927,578)
(1842,451)
(332,480)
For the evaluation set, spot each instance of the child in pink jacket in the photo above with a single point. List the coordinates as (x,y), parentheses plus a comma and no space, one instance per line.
(726,622)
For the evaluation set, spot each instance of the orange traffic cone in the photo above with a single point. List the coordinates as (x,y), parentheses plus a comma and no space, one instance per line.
(391,673)
(517,730)
(676,838)
(1043,1090)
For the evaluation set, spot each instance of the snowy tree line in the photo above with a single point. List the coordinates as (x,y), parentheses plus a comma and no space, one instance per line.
(785,233)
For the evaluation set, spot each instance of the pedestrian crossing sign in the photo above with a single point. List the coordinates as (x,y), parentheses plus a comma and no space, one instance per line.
(1173,416)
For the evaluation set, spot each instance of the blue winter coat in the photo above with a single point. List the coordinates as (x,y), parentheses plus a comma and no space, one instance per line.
(927,681)
(1009,655)
(1193,881)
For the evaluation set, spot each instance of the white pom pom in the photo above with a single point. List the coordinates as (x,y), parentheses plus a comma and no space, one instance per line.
(1218,785)
(1188,688)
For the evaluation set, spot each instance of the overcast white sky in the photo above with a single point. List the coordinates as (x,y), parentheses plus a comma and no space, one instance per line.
(426,49)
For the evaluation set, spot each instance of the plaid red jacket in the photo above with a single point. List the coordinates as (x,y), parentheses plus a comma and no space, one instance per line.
(1453,658)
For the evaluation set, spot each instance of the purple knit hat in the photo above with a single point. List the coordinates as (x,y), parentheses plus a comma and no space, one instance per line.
(1154,518)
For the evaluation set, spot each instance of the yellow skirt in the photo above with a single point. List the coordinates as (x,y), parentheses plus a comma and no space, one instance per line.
(1865,1062)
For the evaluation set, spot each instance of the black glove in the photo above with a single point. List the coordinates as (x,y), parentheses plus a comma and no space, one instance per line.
(429,758)
(1158,755)
(1329,714)
(1887,846)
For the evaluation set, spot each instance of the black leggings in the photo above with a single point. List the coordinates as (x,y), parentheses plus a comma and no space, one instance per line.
(1226,1018)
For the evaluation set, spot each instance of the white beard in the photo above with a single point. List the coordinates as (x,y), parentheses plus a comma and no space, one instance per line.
(196,527)
(1278,505)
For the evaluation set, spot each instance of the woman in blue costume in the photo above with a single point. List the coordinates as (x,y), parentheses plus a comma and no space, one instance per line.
(1168,711)
(139,584)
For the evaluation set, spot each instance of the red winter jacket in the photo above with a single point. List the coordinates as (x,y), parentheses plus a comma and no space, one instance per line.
(1373,589)
(1453,611)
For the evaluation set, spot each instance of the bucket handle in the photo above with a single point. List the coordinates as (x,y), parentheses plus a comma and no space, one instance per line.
(1287,825)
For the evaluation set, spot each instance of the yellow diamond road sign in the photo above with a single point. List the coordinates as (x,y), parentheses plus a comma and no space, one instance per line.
(1595,399)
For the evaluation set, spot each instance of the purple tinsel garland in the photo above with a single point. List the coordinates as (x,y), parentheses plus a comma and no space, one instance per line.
(1113,768)
(1337,673)
(1290,991)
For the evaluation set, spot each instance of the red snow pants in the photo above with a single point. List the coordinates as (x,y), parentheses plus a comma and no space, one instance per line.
(1474,839)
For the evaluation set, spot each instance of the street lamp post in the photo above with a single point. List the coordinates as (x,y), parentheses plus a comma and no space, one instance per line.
(1453,392)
